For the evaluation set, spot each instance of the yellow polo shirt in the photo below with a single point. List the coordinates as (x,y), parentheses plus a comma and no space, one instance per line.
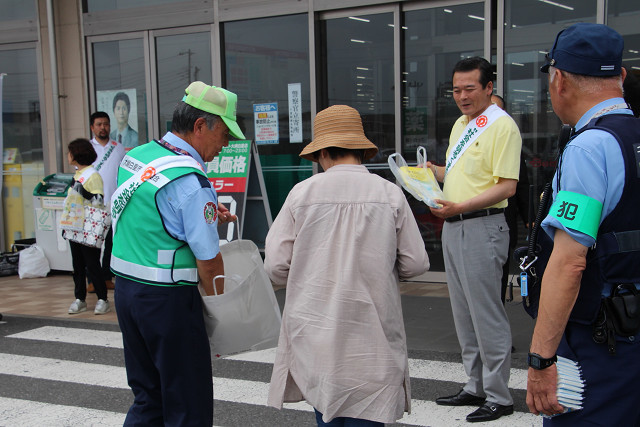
(494,154)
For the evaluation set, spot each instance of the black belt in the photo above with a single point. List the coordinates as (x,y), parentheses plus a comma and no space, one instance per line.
(475,214)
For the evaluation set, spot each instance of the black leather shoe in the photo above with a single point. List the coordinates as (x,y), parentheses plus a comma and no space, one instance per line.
(461,399)
(488,412)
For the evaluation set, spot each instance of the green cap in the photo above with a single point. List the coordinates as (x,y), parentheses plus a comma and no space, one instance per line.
(215,100)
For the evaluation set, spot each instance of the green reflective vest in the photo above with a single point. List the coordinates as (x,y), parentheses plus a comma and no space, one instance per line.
(142,249)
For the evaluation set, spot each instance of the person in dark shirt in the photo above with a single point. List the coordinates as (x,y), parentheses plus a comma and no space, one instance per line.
(518,206)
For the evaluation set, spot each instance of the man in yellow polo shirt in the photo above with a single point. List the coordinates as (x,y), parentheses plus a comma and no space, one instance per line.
(481,173)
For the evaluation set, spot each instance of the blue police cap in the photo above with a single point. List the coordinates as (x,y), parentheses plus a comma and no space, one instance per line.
(587,49)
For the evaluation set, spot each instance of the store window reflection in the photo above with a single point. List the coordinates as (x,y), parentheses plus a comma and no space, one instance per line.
(267,66)
(434,41)
(120,89)
(530,31)
(22,153)
(182,59)
(357,57)
(623,16)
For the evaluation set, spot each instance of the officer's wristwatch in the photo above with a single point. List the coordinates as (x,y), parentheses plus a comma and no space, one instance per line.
(538,362)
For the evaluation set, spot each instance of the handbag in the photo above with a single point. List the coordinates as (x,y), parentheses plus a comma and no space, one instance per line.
(85,219)
(9,263)
(95,227)
(246,317)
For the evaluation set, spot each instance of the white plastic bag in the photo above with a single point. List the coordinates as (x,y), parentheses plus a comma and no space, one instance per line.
(32,263)
(419,181)
(246,316)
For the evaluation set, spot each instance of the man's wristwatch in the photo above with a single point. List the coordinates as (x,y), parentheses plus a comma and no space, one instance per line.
(538,362)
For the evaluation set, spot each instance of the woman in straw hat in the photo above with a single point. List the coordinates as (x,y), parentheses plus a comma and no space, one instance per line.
(340,243)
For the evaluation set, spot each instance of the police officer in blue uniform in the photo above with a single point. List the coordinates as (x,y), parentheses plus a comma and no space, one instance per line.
(595,227)
(165,218)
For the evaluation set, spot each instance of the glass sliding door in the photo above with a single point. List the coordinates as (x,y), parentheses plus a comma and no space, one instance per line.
(357,57)
(139,79)
(434,41)
(180,60)
(267,66)
(623,16)
(120,88)
(530,29)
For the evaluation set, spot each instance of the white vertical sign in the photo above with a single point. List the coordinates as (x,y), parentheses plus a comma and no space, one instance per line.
(295,112)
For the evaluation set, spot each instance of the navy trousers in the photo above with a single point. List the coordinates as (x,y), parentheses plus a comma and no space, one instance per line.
(612,381)
(345,422)
(167,354)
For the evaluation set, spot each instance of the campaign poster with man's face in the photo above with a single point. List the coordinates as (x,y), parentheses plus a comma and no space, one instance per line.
(122,108)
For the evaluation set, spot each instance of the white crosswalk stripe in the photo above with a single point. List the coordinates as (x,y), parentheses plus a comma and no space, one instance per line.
(63,370)
(17,412)
(424,369)
(238,391)
(72,336)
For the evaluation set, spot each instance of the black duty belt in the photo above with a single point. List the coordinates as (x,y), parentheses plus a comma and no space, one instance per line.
(475,214)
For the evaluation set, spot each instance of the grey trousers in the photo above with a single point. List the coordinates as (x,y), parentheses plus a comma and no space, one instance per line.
(474,252)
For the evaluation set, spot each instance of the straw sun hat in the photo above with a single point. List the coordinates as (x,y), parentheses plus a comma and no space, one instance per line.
(338,126)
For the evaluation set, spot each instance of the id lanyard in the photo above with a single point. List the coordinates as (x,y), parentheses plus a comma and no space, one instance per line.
(605,110)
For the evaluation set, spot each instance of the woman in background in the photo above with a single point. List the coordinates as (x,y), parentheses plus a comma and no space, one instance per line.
(86,190)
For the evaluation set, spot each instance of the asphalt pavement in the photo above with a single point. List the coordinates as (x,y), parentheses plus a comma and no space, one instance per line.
(58,370)
(431,332)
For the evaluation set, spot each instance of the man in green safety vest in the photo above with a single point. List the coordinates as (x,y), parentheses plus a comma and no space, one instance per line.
(165,218)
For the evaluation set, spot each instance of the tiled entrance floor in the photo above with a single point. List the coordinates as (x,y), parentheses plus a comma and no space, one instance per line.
(47,297)
(51,296)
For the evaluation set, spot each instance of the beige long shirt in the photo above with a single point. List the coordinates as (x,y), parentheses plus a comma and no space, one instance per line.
(340,243)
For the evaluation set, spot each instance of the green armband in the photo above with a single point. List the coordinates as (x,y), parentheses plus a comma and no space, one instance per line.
(577,212)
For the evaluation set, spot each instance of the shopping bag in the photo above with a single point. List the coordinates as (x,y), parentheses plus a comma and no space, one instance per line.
(96,223)
(246,317)
(418,181)
(32,263)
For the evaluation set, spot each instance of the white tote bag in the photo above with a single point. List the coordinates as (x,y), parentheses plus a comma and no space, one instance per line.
(246,317)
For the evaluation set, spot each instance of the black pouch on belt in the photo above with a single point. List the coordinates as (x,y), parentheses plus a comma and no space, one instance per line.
(623,309)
